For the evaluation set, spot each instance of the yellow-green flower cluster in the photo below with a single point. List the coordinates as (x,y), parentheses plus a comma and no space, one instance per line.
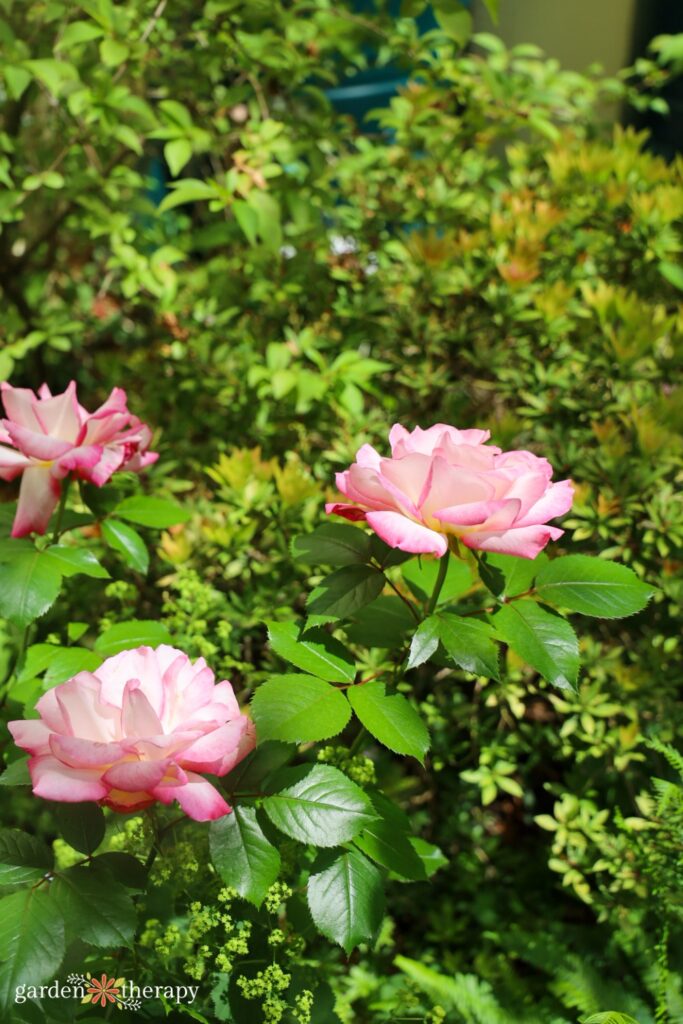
(278,894)
(303,1005)
(266,986)
(360,769)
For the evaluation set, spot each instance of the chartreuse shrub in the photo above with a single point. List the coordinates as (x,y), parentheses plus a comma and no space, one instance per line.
(185,215)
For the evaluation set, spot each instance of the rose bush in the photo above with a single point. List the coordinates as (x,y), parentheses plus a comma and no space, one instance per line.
(443,483)
(136,731)
(45,438)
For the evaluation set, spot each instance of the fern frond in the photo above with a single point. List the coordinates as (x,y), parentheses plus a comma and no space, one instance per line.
(609,1018)
(674,758)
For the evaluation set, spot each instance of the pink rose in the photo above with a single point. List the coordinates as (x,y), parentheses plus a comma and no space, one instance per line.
(45,438)
(445,482)
(137,730)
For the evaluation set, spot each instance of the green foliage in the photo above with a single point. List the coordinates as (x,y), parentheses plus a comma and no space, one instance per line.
(316,652)
(346,591)
(31,584)
(545,641)
(31,940)
(390,718)
(135,633)
(242,855)
(592,587)
(81,825)
(609,1018)
(346,899)
(297,708)
(318,806)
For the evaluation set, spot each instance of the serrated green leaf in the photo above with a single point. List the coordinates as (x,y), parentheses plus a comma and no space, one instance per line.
(72,561)
(31,940)
(67,662)
(296,708)
(242,855)
(75,630)
(157,513)
(592,586)
(346,591)
(38,657)
(431,856)
(16,773)
(137,633)
(346,900)
(81,825)
(320,806)
(22,848)
(333,544)
(384,623)
(491,576)
(31,582)
(128,542)
(387,840)
(468,642)
(518,573)
(316,652)
(424,643)
(391,719)
(123,868)
(24,860)
(95,907)
(545,641)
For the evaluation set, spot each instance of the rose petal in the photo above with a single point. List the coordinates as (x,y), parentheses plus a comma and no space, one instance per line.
(400,532)
(38,498)
(525,542)
(200,800)
(32,735)
(55,781)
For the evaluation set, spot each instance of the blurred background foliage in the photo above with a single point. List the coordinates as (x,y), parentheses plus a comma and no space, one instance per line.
(186,214)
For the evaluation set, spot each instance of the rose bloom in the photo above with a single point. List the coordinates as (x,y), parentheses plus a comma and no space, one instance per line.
(442,482)
(137,730)
(45,438)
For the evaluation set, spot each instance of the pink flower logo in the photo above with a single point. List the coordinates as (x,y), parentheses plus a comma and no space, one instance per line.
(103,990)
